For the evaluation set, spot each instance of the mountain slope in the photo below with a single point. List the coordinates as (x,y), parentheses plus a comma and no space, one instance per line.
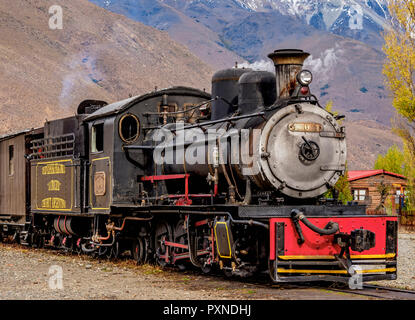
(202,41)
(45,73)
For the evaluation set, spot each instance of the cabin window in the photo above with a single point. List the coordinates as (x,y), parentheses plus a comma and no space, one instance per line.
(97,143)
(11,160)
(129,128)
(359,194)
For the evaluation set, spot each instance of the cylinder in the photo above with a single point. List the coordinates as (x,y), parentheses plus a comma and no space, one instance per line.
(70,226)
(288,62)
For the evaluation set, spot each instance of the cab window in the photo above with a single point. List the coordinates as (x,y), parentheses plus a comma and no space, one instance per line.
(97,143)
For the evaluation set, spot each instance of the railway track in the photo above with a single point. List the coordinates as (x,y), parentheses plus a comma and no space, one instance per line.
(369,290)
(383,292)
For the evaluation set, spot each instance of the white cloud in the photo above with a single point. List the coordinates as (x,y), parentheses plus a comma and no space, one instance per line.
(325,63)
(261,65)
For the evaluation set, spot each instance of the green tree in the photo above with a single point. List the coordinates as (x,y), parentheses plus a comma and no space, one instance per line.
(392,161)
(399,71)
(329,108)
(341,189)
(399,48)
(405,130)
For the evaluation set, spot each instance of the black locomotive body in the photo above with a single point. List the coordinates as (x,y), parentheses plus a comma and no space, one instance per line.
(233,179)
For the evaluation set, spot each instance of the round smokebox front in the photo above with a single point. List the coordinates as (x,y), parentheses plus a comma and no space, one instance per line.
(303,151)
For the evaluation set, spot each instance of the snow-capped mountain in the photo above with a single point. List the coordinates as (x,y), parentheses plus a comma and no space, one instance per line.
(353,18)
(357,19)
(329,10)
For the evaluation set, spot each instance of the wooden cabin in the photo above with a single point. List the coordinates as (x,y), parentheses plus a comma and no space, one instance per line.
(365,187)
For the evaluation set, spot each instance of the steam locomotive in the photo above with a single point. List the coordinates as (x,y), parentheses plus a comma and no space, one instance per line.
(233,180)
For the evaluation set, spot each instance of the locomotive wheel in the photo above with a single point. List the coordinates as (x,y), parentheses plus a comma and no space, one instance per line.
(163,232)
(206,269)
(180,236)
(140,250)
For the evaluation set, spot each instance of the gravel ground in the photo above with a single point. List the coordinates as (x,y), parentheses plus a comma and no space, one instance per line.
(24,274)
(406,263)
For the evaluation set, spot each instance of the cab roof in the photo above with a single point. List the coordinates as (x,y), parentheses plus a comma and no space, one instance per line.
(120,106)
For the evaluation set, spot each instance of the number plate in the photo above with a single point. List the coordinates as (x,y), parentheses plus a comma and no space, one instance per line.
(305,127)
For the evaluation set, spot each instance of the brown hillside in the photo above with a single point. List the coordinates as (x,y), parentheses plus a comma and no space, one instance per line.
(45,73)
(365,140)
(201,40)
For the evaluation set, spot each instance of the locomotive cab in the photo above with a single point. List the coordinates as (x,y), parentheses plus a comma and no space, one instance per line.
(120,153)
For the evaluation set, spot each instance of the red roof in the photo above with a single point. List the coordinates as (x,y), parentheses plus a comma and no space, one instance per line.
(360,174)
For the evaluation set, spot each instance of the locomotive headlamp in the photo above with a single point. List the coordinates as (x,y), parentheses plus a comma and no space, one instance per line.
(305,77)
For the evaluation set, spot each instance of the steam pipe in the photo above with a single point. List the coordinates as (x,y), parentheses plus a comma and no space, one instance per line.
(85,250)
(99,238)
(130,218)
(97,245)
(183,111)
(329,229)
(249,222)
(202,124)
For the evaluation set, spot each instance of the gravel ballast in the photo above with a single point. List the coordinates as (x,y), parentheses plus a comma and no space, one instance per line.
(406,263)
(27,273)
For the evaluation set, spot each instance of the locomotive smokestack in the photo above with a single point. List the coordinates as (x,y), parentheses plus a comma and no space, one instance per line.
(288,62)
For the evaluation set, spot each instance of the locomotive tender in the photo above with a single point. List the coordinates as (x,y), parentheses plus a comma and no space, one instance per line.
(233,180)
